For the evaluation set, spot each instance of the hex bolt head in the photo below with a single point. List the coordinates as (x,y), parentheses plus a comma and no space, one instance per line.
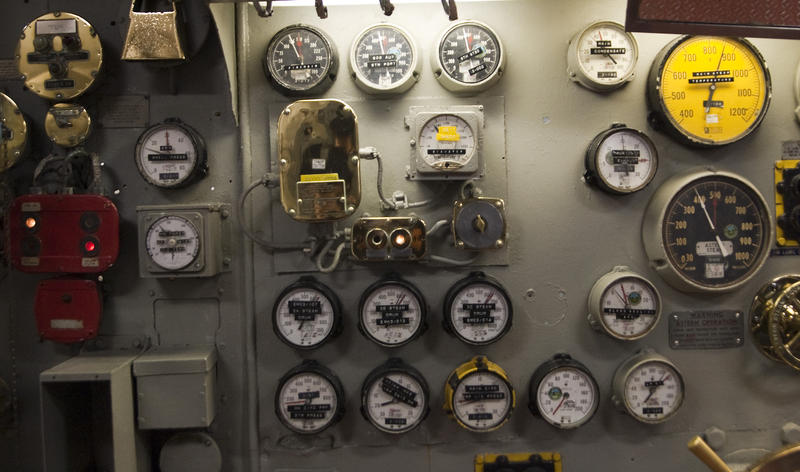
(790,433)
(715,438)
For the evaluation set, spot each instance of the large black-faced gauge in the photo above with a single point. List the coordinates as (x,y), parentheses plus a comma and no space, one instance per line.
(171,154)
(14,142)
(477,310)
(708,90)
(602,57)
(624,305)
(310,398)
(479,396)
(172,242)
(649,387)
(384,60)
(563,392)
(392,312)
(395,397)
(707,230)
(307,314)
(621,160)
(301,61)
(469,57)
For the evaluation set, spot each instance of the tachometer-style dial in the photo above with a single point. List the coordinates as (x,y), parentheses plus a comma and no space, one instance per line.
(301,60)
(384,60)
(172,242)
(306,314)
(470,57)
(392,312)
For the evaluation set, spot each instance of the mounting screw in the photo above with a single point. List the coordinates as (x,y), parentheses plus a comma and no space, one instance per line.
(738,340)
(413,142)
(225,213)
(287,110)
(499,243)
(350,210)
(737,315)
(790,433)
(226,261)
(714,437)
(354,159)
(284,163)
(292,212)
(460,244)
(675,317)
(675,342)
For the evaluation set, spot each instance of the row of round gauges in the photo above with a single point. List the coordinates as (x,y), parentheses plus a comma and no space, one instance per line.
(478,394)
(302,59)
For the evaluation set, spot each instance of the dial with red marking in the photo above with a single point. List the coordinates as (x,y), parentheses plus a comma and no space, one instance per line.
(478,310)
(470,53)
(300,59)
(392,313)
(622,160)
(384,59)
(567,397)
(653,391)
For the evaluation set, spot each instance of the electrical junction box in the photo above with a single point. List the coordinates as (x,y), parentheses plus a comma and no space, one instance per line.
(176,387)
(68,310)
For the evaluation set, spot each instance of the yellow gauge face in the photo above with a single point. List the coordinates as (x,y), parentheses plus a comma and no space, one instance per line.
(714,90)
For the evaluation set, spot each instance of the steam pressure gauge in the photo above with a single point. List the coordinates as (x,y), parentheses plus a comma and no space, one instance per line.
(171,154)
(307,314)
(649,387)
(310,398)
(775,320)
(301,61)
(621,160)
(477,310)
(602,57)
(392,312)
(384,60)
(708,90)
(13,133)
(395,397)
(469,57)
(479,396)
(563,392)
(624,305)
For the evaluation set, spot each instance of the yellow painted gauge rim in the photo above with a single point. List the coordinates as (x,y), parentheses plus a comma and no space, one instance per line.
(477,363)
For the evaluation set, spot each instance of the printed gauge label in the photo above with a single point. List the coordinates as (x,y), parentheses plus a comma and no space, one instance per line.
(721,329)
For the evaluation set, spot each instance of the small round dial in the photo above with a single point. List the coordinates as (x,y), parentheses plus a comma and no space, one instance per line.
(447,142)
(383,60)
(564,392)
(624,304)
(621,160)
(649,387)
(470,57)
(394,397)
(306,314)
(310,398)
(301,60)
(173,242)
(171,154)
(477,310)
(392,312)
(602,56)
(479,395)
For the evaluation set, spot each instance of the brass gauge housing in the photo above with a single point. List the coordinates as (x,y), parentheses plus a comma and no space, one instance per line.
(775,320)
(479,396)
(59,56)
(13,133)
(68,124)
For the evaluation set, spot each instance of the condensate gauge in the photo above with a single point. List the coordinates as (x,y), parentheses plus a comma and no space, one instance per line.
(621,160)
(395,397)
(172,242)
(301,60)
(307,314)
(602,57)
(171,154)
(479,396)
(624,305)
(384,60)
(563,392)
(649,387)
(392,312)
(477,310)
(469,57)
(310,398)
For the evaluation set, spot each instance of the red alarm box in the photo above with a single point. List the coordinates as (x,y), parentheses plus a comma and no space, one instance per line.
(68,310)
(74,234)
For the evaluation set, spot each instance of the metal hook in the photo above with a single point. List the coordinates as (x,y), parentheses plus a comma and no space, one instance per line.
(263,12)
(322,10)
(451,9)
(387,7)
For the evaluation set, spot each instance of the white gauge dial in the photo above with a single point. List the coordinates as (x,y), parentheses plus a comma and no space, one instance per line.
(630,307)
(470,57)
(479,311)
(395,402)
(307,402)
(304,317)
(567,397)
(447,142)
(625,160)
(604,55)
(384,59)
(170,155)
(653,391)
(173,242)
(300,60)
(391,314)
(482,401)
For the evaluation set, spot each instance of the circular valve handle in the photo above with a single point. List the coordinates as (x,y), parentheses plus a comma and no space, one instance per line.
(775,320)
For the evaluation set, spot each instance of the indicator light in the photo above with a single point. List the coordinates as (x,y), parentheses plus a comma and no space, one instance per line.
(401,238)
(89,246)
(31,223)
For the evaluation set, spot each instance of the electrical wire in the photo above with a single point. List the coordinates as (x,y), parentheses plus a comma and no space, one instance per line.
(270,247)
(437,226)
(337,256)
(373,154)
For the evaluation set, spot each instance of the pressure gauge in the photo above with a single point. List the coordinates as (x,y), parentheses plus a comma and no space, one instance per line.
(394,397)
(708,90)
(479,396)
(301,60)
(707,230)
(775,320)
(172,242)
(307,314)
(171,154)
(469,57)
(67,124)
(310,398)
(14,143)
(602,56)
(649,387)
(384,60)
(563,392)
(392,312)
(621,160)
(624,305)
(477,310)
(447,142)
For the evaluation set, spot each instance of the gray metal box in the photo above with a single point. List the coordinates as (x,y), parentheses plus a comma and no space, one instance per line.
(175,387)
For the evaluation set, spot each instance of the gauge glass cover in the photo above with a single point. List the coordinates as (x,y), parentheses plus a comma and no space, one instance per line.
(168,155)
(383,58)
(173,242)
(567,397)
(308,402)
(470,53)
(304,317)
(447,142)
(299,58)
(479,313)
(626,160)
(482,401)
(653,391)
(391,314)
(630,308)
(395,402)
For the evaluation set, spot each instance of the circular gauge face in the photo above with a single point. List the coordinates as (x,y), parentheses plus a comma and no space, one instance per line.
(716,231)
(301,60)
(395,402)
(173,242)
(625,161)
(711,90)
(478,311)
(470,53)
(384,59)
(630,308)
(482,401)
(308,402)
(392,314)
(170,155)
(567,397)
(606,55)
(305,316)
(653,391)
(447,142)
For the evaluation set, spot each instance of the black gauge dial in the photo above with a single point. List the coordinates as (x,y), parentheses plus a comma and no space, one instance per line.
(470,57)
(301,60)
(384,59)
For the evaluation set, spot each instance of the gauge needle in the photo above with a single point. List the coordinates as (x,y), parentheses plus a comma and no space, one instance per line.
(608,55)
(153,151)
(713,87)
(563,398)
(655,387)
(296,52)
(393,400)
(711,224)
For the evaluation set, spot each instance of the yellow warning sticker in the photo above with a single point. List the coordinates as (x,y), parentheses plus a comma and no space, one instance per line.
(448,133)
(318,177)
